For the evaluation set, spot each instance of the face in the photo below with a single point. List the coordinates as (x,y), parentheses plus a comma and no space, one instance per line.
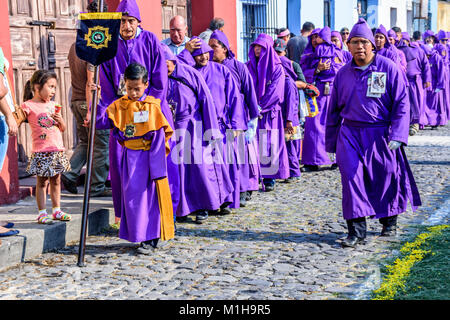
(391,40)
(220,53)
(48,90)
(444,41)
(286,38)
(202,59)
(399,35)
(257,48)
(380,40)
(336,41)
(316,40)
(178,31)
(361,50)
(170,66)
(344,35)
(128,27)
(429,40)
(135,88)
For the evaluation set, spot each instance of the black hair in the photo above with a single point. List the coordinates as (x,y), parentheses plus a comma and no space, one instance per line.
(396,29)
(93,6)
(308,26)
(343,29)
(39,78)
(136,71)
(216,24)
(417,35)
(374,30)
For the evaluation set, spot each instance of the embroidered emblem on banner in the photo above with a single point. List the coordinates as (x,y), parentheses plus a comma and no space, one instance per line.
(130,130)
(98,37)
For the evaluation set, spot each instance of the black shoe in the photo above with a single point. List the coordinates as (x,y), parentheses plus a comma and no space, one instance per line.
(147,247)
(69,185)
(201,216)
(182,219)
(269,187)
(242,199)
(389,232)
(248,195)
(352,241)
(334,166)
(309,168)
(104,193)
(224,211)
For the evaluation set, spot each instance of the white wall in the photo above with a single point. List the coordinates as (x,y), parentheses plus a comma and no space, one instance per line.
(384,12)
(312,11)
(345,14)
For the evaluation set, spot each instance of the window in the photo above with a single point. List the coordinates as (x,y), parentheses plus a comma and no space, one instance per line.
(327,13)
(362,9)
(393,17)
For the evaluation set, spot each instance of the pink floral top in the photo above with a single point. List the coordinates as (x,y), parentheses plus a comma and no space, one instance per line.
(45,133)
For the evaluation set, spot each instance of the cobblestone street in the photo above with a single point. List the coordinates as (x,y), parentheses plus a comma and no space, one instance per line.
(283,245)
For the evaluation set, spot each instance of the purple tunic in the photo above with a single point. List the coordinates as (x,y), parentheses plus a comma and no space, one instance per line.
(418,72)
(313,152)
(203,185)
(443,51)
(376,181)
(249,167)
(269,79)
(435,109)
(146,50)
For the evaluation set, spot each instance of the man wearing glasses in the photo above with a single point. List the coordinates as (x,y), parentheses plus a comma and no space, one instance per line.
(344,34)
(367,127)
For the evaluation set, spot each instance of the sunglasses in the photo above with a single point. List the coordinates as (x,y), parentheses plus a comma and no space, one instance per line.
(345,32)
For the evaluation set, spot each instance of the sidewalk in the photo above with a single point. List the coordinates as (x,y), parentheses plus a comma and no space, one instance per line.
(35,239)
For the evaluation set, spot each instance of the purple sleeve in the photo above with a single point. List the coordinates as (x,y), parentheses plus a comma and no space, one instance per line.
(157,155)
(158,75)
(334,120)
(186,57)
(426,71)
(440,83)
(235,107)
(400,112)
(208,110)
(249,93)
(274,90)
(288,110)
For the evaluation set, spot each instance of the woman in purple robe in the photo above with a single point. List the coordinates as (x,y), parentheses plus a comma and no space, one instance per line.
(344,55)
(384,47)
(230,114)
(141,46)
(249,166)
(306,58)
(269,78)
(393,39)
(435,109)
(326,63)
(202,188)
(367,127)
(443,52)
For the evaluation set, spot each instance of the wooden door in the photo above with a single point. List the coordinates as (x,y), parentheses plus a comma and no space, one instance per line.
(171,8)
(42,32)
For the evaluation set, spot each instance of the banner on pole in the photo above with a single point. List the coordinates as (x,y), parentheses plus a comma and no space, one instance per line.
(97,36)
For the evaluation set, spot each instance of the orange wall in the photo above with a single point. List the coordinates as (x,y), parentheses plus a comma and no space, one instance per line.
(9,177)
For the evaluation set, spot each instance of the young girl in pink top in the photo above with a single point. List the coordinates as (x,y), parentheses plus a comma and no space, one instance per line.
(48,160)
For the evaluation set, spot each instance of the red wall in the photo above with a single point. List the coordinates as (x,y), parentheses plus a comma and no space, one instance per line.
(9,177)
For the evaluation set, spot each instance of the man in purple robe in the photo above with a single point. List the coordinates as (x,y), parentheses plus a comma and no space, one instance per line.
(419,77)
(202,188)
(269,78)
(393,39)
(384,47)
(230,114)
(435,109)
(249,167)
(443,52)
(326,63)
(141,46)
(367,127)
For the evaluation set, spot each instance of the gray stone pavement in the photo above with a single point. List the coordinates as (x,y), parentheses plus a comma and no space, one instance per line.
(283,245)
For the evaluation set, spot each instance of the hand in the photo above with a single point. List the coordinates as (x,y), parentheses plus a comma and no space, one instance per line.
(251,131)
(87,120)
(193,45)
(12,126)
(393,145)
(331,156)
(437,90)
(237,133)
(289,127)
(324,65)
(427,84)
(57,117)
(300,84)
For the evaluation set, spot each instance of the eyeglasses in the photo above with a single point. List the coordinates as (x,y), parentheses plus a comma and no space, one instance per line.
(365,43)
(345,32)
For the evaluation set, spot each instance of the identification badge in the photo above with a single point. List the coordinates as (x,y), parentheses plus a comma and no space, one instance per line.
(378,82)
(370,94)
(140,116)
(121,90)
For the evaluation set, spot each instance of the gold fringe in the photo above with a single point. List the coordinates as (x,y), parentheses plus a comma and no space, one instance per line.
(100,16)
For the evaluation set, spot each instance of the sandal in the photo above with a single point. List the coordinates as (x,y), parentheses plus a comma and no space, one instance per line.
(59,215)
(44,219)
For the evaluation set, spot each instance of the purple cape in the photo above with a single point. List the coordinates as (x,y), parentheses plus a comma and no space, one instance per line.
(376,181)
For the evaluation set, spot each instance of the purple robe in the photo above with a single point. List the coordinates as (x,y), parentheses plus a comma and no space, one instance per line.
(417,72)
(269,79)
(443,52)
(306,59)
(435,109)
(203,185)
(146,50)
(313,152)
(344,55)
(249,167)
(376,181)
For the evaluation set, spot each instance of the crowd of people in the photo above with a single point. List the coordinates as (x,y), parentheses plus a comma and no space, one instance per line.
(184,128)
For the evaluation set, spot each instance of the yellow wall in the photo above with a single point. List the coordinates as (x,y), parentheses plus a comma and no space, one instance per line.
(443,16)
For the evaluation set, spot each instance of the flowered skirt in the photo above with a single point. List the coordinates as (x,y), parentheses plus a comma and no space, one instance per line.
(48,164)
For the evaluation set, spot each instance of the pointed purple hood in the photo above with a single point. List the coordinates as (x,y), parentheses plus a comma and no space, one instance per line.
(168,54)
(220,36)
(325,35)
(362,29)
(130,8)
(382,30)
(204,47)
(338,35)
(441,35)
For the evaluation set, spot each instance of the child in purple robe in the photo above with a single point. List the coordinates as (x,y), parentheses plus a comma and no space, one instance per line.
(269,79)
(367,127)
(141,129)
